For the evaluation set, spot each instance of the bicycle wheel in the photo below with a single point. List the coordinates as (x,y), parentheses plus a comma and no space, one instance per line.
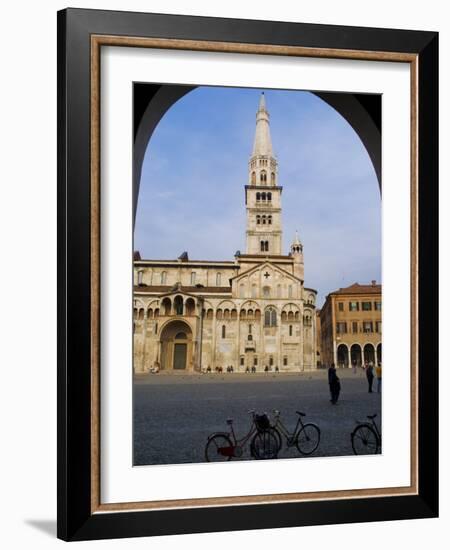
(219,448)
(364,440)
(308,439)
(264,445)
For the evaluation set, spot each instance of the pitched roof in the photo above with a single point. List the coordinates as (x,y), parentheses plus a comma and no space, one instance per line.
(356,288)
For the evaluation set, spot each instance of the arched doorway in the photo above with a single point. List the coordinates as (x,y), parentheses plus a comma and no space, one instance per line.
(356,355)
(342,355)
(379,351)
(176,346)
(369,354)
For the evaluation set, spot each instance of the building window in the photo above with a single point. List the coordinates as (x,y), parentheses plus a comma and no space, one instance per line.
(270,317)
(193,275)
(341,306)
(242,360)
(266,246)
(258,197)
(290,291)
(249,338)
(367,306)
(258,220)
(290,330)
(341,328)
(269,196)
(255,361)
(269,220)
(140,274)
(164,277)
(377,306)
(264,220)
(285,361)
(262,246)
(271,361)
(218,279)
(250,329)
(367,326)
(156,328)
(272,178)
(354,327)
(253,178)
(263,177)
(266,292)
(378,326)
(353,306)
(224,331)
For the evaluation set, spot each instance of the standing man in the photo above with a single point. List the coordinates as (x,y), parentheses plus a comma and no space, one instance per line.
(370,376)
(378,373)
(334,383)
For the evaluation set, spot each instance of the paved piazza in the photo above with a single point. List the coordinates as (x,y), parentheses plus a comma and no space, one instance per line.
(174,414)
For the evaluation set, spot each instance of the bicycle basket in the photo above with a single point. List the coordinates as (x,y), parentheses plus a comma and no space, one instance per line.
(262,422)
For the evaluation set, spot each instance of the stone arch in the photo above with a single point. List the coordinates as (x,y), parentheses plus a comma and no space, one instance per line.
(356,355)
(190,306)
(166,305)
(342,355)
(176,346)
(178,305)
(369,353)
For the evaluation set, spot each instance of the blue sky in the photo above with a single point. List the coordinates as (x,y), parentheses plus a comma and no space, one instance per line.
(195,169)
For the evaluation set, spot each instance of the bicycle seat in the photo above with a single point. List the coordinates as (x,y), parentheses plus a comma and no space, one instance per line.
(371,416)
(229,421)
(300,413)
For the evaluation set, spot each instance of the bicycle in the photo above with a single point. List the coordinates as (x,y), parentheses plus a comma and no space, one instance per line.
(366,438)
(306,437)
(223,446)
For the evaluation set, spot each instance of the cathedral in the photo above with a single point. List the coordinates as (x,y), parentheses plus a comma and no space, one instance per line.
(250,313)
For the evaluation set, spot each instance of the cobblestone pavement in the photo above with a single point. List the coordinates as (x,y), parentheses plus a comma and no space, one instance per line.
(174,414)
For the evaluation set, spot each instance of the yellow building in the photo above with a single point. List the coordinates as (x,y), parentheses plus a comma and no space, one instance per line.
(350,326)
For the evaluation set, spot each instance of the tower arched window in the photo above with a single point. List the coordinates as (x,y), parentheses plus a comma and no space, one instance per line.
(266,292)
(253,178)
(263,177)
(258,197)
(258,220)
(270,317)
(269,220)
(224,331)
(290,330)
(262,246)
(263,196)
(266,246)
(218,279)
(269,196)
(272,178)
(264,220)
(164,277)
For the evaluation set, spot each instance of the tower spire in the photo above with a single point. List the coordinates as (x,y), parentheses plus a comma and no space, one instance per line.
(262,194)
(263,143)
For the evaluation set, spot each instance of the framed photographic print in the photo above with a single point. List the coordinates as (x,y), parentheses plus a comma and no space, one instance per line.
(247,274)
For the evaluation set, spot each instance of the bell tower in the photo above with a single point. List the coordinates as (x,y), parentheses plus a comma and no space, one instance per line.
(262,193)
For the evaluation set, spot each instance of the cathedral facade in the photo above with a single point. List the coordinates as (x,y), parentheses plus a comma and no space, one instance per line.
(252,311)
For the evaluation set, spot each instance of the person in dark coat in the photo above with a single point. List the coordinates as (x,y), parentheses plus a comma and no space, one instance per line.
(334,383)
(370,376)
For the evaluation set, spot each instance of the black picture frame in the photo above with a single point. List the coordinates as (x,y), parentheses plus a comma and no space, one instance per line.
(76,519)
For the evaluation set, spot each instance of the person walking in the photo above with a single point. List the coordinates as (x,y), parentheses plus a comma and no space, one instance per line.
(370,376)
(334,383)
(378,373)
